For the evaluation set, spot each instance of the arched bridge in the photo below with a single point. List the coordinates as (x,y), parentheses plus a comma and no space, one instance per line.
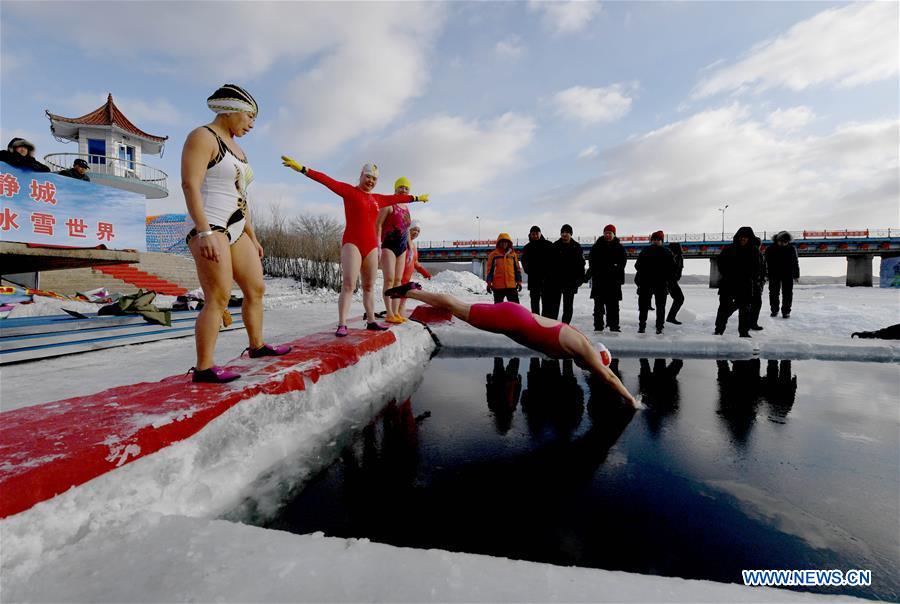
(858,246)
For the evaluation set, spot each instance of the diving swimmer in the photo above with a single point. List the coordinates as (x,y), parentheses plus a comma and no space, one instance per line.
(359,245)
(551,337)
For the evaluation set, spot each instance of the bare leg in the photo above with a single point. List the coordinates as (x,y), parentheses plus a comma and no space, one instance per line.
(587,357)
(215,280)
(388,264)
(456,306)
(350,267)
(248,274)
(369,273)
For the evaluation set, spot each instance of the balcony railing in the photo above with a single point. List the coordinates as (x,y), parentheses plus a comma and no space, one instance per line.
(117,172)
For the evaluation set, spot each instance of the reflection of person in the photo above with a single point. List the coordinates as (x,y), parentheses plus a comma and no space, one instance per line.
(504,276)
(659,389)
(739,389)
(555,339)
(606,270)
(565,275)
(739,267)
(536,264)
(359,245)
(554,399)
(654,269)
(503,387)
(78,170)
(393,226)
(215,176)
(20,154)
(780,387)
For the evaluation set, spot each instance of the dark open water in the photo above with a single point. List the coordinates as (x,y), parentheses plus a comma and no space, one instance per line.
(733,465)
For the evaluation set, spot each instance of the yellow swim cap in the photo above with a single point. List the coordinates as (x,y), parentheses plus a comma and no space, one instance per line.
(402,182)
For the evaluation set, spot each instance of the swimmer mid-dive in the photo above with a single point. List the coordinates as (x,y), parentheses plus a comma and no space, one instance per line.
(553,338)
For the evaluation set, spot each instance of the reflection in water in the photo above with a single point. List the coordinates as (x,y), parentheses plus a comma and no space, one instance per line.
(503,389)
(659,388)
(739,393)
(554,401)
(780,389)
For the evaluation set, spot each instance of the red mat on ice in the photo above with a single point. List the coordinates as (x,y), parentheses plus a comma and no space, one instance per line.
(429,315)
(46,449)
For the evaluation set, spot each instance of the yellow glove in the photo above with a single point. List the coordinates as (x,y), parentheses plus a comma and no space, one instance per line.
(422,198)
(287,162)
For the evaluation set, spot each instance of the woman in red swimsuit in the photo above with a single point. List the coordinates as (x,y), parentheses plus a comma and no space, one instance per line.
(359,245)
(551,337)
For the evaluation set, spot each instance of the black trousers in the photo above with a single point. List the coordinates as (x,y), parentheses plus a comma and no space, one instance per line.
(551,304)
(785,286)
(756,306)
(510,294)
(727,306)
(535,292)
(658,295)
(677,299)
(608,307)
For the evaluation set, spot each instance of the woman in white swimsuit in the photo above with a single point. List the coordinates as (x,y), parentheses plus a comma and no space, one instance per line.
(215,176)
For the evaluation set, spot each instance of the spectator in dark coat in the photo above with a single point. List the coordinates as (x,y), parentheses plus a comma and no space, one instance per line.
(783,267)
(78,170)
(535,262)
(565,275)
(739,270)
(20,153)
(758,286)
(606,270)
(655,268)
(674,287)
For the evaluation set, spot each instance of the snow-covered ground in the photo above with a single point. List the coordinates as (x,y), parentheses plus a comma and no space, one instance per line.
(150,531)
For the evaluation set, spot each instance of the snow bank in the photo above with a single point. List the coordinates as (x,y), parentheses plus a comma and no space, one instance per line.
(199,560)
(458,283)
(211,471)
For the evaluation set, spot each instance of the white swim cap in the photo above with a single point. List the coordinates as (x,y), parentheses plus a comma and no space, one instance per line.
(370,169)
(415,225)
(605,354)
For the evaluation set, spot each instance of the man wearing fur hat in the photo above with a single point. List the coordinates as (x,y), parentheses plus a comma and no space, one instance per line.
(20,153)
(783,267)
(606,270)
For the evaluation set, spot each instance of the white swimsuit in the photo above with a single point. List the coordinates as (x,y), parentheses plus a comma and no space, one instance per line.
(224,192)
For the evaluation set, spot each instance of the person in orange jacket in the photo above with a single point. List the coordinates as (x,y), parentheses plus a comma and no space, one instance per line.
(504,275)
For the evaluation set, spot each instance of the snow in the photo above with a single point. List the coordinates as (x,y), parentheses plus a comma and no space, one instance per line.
(155,529)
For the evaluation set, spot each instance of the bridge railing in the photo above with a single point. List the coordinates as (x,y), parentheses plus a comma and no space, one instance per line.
(798,234)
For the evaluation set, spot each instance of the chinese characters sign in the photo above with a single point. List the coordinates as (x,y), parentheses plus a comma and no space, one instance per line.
(47,208)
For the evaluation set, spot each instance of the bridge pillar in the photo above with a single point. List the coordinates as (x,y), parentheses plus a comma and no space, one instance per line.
(478,268)
(714,275)
(859,271)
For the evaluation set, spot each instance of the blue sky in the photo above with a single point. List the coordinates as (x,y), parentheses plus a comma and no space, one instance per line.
(645,114)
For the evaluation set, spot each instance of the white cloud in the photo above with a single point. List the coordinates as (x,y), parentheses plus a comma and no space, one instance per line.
(510,48)
(564,17)
(594,105)
(847,46)
(445,154)
(589,152)
(674,177)
(790,119)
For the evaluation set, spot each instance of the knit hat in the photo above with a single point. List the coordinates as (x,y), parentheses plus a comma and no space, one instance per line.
(231,98)
(371,169)
(566,228)
(402,182)
(657,236)
(535,229)
(610,227)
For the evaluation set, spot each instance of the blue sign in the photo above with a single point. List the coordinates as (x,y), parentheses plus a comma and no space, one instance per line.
(46,208)
(890,272)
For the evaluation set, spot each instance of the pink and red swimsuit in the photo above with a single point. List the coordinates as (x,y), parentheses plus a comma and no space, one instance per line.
(360,210)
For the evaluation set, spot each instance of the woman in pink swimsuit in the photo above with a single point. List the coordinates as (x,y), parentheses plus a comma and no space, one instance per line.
(551,337)
(392,226)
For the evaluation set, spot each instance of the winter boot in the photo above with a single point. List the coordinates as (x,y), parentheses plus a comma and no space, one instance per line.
(642,328)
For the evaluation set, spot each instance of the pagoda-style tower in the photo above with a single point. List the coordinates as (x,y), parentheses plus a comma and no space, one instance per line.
(114,147)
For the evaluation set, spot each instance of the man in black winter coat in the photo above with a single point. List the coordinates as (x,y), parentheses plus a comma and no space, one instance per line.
(739,266)
(655,268)
(20,153)
(758,286)
(565,275)
(536,257)
(674,287)
(783,267)
(606,270)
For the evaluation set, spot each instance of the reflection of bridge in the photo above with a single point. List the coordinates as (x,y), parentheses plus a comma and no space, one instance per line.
(859,247)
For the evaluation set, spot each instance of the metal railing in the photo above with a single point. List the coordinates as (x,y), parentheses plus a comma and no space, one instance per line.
(798,234)
(111,166)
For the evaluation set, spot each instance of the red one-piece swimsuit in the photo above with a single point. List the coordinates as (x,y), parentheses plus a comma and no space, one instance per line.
(360,211)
